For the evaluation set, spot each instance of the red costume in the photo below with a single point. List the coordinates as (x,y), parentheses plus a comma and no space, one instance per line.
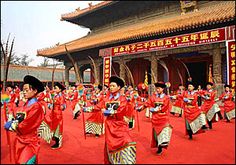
(119,147)
(118,143)
(143,90)
(94,123)
(194,120)
(131,101)
(161,129)
(41,97)
(26,123)
(11,106)
(77,98)
(229,105)
(57,117)
(27,140)
(52,126)
(209,107)
(74,98)
(178,102)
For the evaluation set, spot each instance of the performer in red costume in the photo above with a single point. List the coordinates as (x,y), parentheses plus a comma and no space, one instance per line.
(56,115)
(40,98)
(143,94)
(44,130)
(178,101)
(94,123)
(210,107)
(48,99)
(11,106)
(194,119)
(229,105)
(75,97)
(159,104)
(131,105)
(27,121)
(143,90)
(119,147)
(52,126)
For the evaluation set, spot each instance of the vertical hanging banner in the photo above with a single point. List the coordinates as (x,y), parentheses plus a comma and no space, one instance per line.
(231,63)
(106,70)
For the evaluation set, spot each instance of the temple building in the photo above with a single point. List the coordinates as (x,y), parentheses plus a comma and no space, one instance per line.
(170,41)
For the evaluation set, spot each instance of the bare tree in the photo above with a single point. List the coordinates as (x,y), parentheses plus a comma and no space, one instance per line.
(45,62)
(6,59)
(15,60)
(25,60)
(2,57)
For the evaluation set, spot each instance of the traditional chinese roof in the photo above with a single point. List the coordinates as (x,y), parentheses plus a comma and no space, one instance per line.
(79,11)
(209,14)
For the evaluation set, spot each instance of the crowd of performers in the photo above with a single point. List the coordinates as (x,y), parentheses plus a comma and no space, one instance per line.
(37,112)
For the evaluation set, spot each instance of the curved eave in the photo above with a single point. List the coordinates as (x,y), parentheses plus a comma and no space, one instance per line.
(80,13)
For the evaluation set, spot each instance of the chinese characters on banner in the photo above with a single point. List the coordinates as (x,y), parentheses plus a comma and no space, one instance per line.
(106,70)
(186,40)
(231,63)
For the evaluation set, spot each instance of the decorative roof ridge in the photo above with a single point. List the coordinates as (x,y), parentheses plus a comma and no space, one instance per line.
(79,11)
(50,47)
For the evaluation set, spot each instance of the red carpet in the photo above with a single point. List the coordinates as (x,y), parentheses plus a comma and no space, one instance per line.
(216,146)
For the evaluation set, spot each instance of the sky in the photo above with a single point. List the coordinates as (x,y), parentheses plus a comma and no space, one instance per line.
(36,25)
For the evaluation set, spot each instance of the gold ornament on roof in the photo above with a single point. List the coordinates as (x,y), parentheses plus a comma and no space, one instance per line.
(188,6)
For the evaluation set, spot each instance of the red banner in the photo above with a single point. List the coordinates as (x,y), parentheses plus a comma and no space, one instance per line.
(186,40)
(231,63)
(106,70)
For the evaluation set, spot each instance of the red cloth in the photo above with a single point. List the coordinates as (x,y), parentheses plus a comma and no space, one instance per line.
(17,93)
(96,116)
(41,99)
(159,119)
(116,129)
(179,99)
(191,110)
(227,100)
(27,142)
(11,106)
(75,99)
(48,98)
(206,106)
(44,100)
(130,104)
(56,114)
(143,90)
(143,93)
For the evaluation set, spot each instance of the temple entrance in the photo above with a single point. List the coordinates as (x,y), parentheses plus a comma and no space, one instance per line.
(198,72)
(138,67)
